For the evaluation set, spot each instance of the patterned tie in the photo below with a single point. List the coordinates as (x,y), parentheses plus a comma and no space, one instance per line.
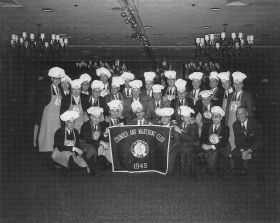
(216,130)
(181,102)
(95,102)
(244,128)
(157,104)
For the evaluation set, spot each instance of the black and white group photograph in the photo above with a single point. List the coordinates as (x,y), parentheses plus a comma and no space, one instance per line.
(139,111)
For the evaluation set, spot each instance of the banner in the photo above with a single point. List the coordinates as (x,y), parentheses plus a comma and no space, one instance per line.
(140,148)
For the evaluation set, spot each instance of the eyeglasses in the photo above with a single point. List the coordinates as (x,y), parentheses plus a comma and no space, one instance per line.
(216,116)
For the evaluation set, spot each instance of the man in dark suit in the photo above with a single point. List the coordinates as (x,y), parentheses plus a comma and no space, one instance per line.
(249,142)
(144,99)
(170,91)
(215,142)
(127,76)
(196,82)
(65,84)
(149,82)
(181,100)
(155,103)
(104,75)
(137,108)
(218,93)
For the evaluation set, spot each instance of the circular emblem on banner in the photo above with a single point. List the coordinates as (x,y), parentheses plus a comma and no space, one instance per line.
(139,149)
(233,107)
(214,139)
(207,114)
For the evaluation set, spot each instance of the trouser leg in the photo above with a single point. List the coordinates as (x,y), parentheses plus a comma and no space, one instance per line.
(221,165)
(237,158)
(191,151)
(172,158)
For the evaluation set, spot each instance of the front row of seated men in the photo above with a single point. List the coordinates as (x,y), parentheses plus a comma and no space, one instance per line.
(73,150)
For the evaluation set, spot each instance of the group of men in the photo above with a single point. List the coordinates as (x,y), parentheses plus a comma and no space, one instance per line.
(217,123)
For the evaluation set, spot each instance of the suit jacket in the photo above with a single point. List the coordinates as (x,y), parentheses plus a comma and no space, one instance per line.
(224,135)
(219,95)
(150,112)
(110,97)
(144,92)
(175,104)
(59,138)
(254,137)
(44,98)
(144,99)
(66,101)
(86,134)
(101,102)
(134,122)
(63,94)
(246,101)
(189,134)
(164,92)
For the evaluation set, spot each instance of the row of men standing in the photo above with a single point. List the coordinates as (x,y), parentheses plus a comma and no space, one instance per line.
(56,99)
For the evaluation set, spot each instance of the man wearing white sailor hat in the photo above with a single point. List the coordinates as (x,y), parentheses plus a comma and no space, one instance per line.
(217,92)
(215,142)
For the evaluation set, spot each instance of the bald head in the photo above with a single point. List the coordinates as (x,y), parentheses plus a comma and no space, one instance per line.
(241,114)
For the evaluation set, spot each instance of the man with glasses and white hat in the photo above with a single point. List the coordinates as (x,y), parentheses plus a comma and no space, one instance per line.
(128,77)
(85,79)
(226,83)
(217,92)
(104,75)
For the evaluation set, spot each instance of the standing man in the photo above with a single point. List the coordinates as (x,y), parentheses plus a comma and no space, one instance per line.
(85,79)
(49,108)
(75,102)
(104,75)
(128,77)
(217,92)
(65,84)
(196,82)
(236,99)
(149,82)
(155,103)
(225,79)
(249,142)
(144,99)
(181,100)
(170,92)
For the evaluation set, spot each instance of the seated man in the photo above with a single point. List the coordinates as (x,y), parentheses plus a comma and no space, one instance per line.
(92,138)
(181,100)
(66,146)
(155,103)
(249,141)
(137,108)
(165,114)
(215,142)
(188,139)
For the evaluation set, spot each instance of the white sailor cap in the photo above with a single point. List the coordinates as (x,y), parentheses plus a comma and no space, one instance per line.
(115,104)
(56,72)
(68,115)
(170,74)
(206,93)
(96,111)
(157,88)
(117,81)
(103,70)
(165,111)
(196,76)
(135,84)
(149,76)
(96,84)
(76,83)
(224,76)
(185,110)
(181,85)
(66,78)
(85,77)
(218,110)
(136,106)
(127,76)
(214,75)
(238,76)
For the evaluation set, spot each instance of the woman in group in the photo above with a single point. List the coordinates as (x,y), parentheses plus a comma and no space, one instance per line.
(49,107)
(67,150)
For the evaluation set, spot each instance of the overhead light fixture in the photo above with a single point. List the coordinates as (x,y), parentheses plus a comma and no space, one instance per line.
(71,27)
(215,9)
(87,39)
(225,49)
(147,27)
(206,27)
(117,9)
(47,10)
(38,47)
(7,28)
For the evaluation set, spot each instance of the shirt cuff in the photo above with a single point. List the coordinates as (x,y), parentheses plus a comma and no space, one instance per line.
(213,147)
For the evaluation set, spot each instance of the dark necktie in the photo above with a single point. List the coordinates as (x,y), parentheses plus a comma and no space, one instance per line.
(95,102)
(181,102)
(70,135)
(140,122)
(226,94)
(193,93)
(157,104)
(127,91)
(244,128)
(216,130)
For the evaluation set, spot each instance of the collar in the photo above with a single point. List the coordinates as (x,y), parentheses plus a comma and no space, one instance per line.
(142,120)
(167,124)
(138,99)
(230,90)
(245,123)
(76,98)
(85,92)
(214,89)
